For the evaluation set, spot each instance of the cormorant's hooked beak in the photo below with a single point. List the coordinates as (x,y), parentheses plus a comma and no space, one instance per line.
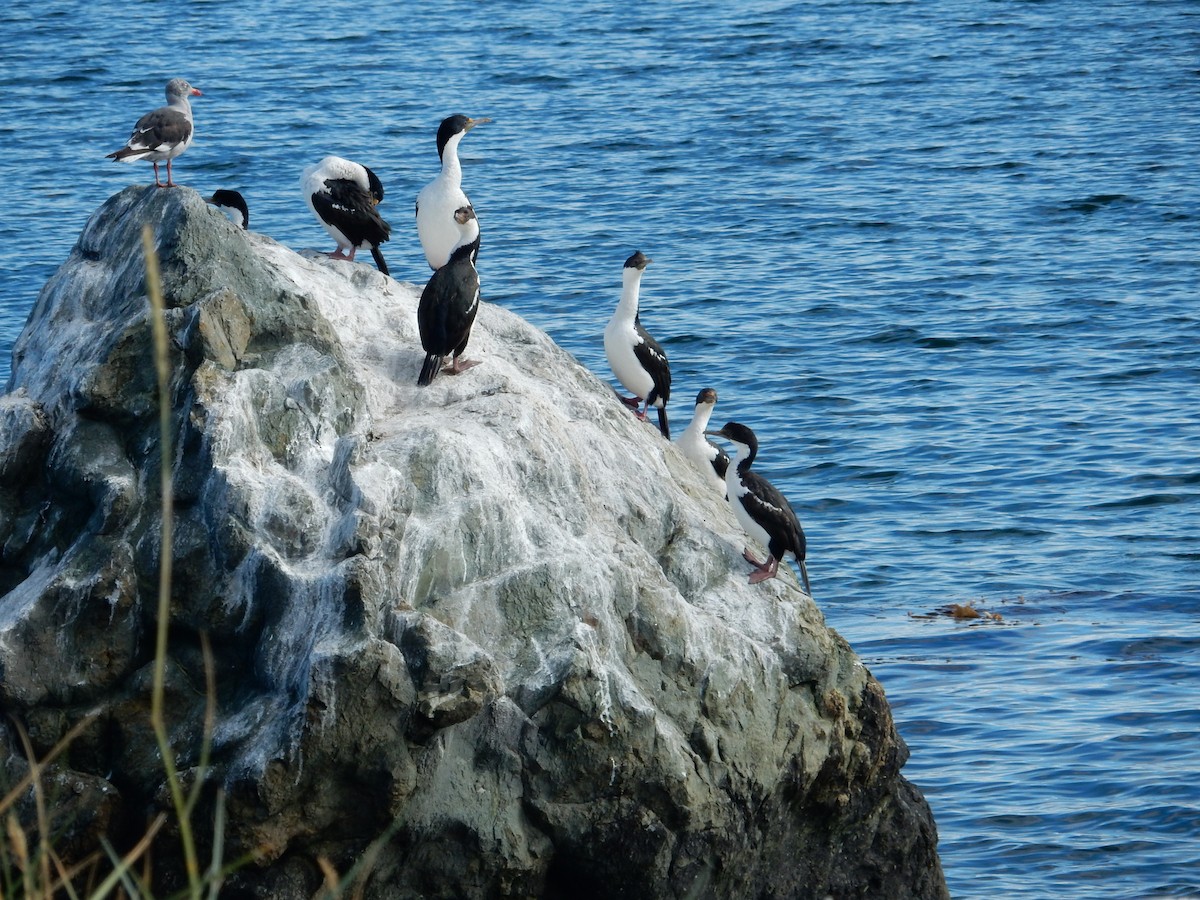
(471,123)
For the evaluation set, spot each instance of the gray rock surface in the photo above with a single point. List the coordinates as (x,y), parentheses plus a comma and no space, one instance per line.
(496,622)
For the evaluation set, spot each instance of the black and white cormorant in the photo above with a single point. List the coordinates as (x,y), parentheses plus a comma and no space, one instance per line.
(449,304)
(761,509)
(233,205)
(162,133)
(343,195)
(636,358)
(439,200)
(710,459)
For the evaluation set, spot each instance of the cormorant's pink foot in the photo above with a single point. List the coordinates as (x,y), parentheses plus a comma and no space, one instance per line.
(632,402)
(766,570)
(752,559)
(459,366)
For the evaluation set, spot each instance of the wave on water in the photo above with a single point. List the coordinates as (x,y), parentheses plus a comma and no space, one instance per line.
(1144,500)
(1095,202)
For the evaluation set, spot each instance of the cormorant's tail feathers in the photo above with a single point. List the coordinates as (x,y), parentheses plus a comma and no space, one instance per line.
(377,255)
(663,426)
(433,365)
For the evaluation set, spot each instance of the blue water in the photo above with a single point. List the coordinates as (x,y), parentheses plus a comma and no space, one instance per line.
(941,255)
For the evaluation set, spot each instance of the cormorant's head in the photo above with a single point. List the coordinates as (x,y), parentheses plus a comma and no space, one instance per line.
(235,203)
(738,434)
(455,125)
(708,395)
(374,186)
(639,260)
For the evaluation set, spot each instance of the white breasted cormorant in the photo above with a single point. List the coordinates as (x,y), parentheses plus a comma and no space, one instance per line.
(439,200)
(710,459)
(162,133)
(343,195)
(233,205)
(449,304)
(636,358)
(761,509)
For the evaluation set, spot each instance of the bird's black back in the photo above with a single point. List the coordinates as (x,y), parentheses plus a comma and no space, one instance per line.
(349,209)
(449,303)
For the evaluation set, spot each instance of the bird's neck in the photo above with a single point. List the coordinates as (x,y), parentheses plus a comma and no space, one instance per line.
(468,244)
(630,289)
(451,168)
(744,458)
(464,253)
(699,421)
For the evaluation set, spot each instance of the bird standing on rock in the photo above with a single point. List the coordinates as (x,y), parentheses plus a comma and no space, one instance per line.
(636,358)
(343,195)
(450,303)
(761,509)
(163,133)
(710,459)
(439,201)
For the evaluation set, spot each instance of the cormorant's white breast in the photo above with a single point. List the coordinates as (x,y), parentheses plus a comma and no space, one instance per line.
(439,200)
(710,459)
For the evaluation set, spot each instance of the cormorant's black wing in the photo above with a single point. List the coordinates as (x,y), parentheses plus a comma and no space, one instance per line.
(766,504)
(654,360)
(720,461)
(448,307)
(351,210)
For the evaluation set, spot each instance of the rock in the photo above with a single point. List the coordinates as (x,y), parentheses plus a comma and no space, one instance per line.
(80,808)
(493,637)
(24,438)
